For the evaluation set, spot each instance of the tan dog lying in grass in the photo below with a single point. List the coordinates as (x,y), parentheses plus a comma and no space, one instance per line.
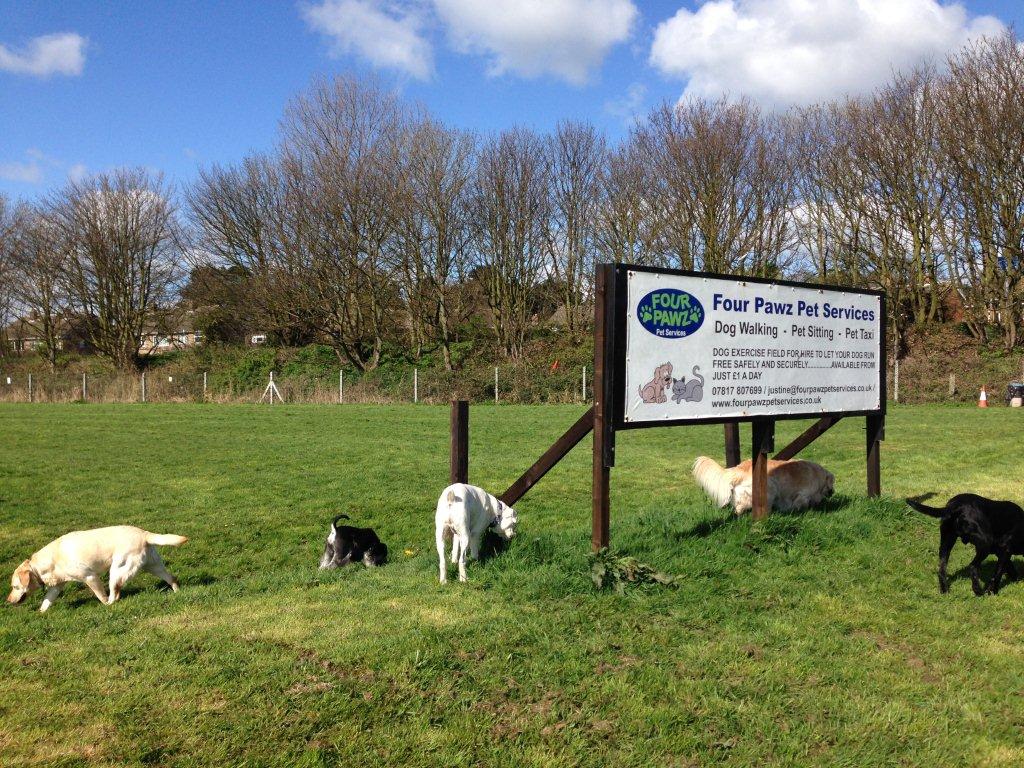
(792,484)
(86,555)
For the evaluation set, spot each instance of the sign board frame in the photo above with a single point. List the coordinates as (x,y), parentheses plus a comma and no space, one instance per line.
(618,352)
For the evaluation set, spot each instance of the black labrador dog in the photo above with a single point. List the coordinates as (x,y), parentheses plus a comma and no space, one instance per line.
(993,527)
(348,544)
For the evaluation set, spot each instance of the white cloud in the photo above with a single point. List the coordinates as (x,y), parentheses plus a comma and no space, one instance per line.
(26,173)
(385,34)
(630,104)
(35,169)
(782,52)
(567,38)
(59,54)
(78,172)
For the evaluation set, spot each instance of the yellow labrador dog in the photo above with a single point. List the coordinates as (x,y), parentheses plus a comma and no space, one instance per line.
(792,485)
(85,556)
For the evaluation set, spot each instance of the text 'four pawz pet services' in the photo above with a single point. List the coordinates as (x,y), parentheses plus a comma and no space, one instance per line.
(713,348)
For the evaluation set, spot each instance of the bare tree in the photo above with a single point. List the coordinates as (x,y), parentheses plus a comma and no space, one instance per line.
(338,146)
(630,211)
(40,285)
(243,226)
(7,273)
(510,206)
(313,226)
(576,154)
(828,215)
(868,209)
(432,219)
(117,232)
(726,177)
(897,156)
(982,140)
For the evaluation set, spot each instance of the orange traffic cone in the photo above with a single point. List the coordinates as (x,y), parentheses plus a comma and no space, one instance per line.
(983,399)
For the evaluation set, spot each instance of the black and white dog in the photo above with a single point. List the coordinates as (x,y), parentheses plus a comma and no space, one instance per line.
(348,544)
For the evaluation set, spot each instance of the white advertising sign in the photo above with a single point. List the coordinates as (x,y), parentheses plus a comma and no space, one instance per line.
(710,348)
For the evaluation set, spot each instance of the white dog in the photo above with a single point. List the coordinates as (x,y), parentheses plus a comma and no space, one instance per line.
(86,555)
(464,512)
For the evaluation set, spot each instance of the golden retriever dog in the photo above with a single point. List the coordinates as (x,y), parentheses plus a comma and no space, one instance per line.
(84,556)
(792,485)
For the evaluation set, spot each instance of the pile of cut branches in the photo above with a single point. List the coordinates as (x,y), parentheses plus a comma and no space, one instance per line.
(611,571)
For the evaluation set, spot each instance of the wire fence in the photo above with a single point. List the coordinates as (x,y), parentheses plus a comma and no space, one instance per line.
(500,384)
(429,386)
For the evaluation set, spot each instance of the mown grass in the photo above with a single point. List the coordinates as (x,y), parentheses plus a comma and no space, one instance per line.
(810,639)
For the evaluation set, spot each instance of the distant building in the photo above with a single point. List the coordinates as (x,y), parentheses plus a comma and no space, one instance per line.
(155,342)
(23,335)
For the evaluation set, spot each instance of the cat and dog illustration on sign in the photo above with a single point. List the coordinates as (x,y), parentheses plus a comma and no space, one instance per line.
(653,392)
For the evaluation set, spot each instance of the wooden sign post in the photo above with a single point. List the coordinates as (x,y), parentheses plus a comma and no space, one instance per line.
(763,443)
(767,351)
(459,466)
(604,435)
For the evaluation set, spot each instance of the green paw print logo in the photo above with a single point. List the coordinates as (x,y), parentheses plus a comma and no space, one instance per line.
(670,313)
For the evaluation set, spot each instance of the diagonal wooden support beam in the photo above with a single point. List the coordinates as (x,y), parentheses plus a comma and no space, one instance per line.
(808,436)
(551,456)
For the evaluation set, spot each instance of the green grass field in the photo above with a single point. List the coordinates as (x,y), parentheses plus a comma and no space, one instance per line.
(811,639)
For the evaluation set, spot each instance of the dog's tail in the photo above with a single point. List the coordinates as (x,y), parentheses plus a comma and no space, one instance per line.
(931,511)
(334,522)
(165,539)
(716,481)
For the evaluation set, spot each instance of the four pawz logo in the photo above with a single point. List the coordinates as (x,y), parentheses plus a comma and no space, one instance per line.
(670,313)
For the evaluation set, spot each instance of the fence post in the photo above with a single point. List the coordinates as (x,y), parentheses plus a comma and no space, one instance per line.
(495,385)
(341,387)
(204,386)
(415,385)
(30,387)
(85,389)
(459,463)
(143,386)
(896,381)
(584,380)
(952,384)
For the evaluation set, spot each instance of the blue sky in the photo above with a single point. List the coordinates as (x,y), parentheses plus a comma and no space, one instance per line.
(85,86)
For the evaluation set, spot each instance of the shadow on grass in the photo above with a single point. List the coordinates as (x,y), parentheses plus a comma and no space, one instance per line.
(491,545)
(835,503)
(708,527)
(986,571)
